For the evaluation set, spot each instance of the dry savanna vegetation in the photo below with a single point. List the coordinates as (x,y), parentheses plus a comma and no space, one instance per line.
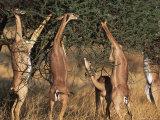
(135,24)
(82,103)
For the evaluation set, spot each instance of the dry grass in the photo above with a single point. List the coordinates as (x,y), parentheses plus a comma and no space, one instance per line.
(81,105)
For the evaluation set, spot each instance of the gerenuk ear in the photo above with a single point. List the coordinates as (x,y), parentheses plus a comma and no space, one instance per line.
(103,23)
(18,11)
(71,16)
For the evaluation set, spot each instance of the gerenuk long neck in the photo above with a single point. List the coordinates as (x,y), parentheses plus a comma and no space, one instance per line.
(110,36)
(58,36)
(38,31)
(18,28)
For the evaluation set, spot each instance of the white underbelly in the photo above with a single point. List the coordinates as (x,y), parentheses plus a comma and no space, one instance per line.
(29,68)
(147,70)
(149,77)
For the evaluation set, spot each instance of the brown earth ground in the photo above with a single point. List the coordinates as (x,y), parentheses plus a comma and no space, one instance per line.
(82,103)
